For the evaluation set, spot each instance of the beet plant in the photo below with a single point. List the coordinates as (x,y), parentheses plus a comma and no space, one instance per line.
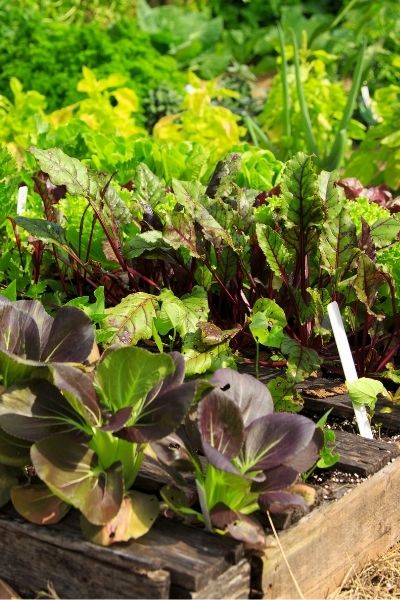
(190,258)
(314,255)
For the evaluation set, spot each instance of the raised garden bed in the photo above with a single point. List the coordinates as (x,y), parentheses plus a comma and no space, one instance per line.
(357,520)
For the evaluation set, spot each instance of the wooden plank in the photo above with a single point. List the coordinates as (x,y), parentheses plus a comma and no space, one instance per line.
(234,583)
(322,546)
(313,391)
(188,557)
(191,555)
(6,592)
(29,561)
(362,456)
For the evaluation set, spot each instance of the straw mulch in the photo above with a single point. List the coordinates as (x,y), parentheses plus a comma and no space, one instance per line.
(378,580)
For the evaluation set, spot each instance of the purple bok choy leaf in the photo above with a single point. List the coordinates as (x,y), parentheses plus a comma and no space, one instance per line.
(30,338)
(39,411)
(155,398)
(74,473)
(252,455)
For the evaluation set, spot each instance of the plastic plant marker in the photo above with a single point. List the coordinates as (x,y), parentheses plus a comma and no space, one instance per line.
(21,199)
(348,365)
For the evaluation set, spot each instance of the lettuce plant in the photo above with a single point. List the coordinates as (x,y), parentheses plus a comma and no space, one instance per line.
(201,121)
(376,160)
(252,457)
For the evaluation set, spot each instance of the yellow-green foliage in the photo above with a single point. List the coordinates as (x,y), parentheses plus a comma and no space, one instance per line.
(200,121)
(22,119)
(109,106)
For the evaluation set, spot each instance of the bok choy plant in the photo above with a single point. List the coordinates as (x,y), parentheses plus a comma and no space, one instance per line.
(252,457)
(82,438)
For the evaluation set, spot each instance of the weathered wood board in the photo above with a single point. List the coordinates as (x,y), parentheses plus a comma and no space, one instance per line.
(362,456)
(172,560)
(178,561)
(319,396)
(324,545)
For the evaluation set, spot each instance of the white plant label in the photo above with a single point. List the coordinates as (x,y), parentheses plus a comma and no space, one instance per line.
(21,199)
(348,365)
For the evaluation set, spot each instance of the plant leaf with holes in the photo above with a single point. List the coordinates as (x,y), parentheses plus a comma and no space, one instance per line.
(267,323)
(131,320)
(65,170)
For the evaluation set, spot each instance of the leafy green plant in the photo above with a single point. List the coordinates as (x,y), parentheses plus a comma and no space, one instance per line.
(168,28)
(201,121)
(22,118)
(32,339)
(316,113)
(314,256)
(364,391)
(85,439)
(328,456)
(267,326)
(381,147)
(59,50)
(253,456)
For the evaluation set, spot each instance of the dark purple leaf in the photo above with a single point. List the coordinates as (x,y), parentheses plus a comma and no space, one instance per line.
(306,458)
(218,460)
(135,517)
(276,479)
(71,337)
(118,419)
(274,440)
(163,415)
(250,395)
(366,243)
(240,526)
(178,473)
(178,376)
(171,449)
(353,188)
(380,194)
(19,333)
(171,381)
(190,435)
(220,423)
(78,389)
(14,452)
(281,501)
(42,319)
(36,410)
